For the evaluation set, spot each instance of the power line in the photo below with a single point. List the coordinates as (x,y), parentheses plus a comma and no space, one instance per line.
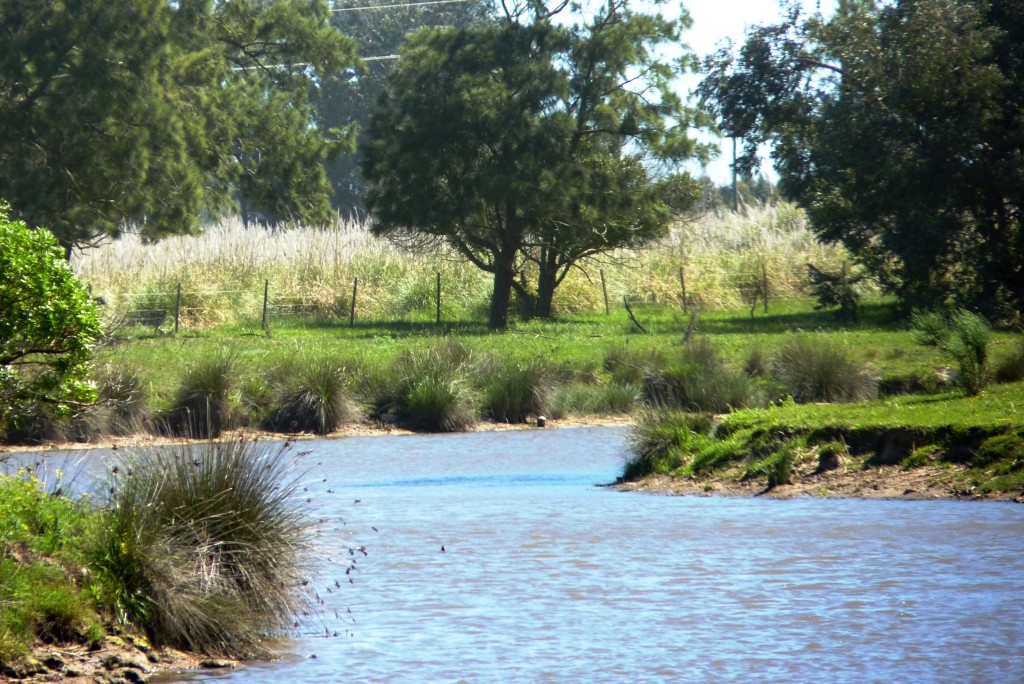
(403,4)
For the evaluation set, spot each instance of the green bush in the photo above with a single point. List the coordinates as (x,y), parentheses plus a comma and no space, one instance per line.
(813,368)
(516,391)
(430,390)
(48,326)
(964,336)
(315,399)
(202,405)
(204,546)
(700,380)
(658,442)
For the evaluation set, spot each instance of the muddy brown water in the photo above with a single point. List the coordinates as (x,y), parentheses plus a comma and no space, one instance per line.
(493,557)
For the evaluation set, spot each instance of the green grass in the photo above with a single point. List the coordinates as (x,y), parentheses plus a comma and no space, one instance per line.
(201,546)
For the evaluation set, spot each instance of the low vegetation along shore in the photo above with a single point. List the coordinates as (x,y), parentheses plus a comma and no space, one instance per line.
(816,389)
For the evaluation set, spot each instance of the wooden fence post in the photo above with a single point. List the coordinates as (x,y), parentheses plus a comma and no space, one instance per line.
(177,310)
(604,289)
(764,285)
(266,296)
(439,298)
(352,315)
(682,286)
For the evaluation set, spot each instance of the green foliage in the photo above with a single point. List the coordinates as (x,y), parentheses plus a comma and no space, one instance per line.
(776,467)
(38,600)
(315,400)
(814,368)
(658,443)
(48,327)
(963,335)
(521,143)
(202,406)
(432,390)
(514,392)
(700,380)
(1011,367)
(158,113)
(204,546)
(932,206)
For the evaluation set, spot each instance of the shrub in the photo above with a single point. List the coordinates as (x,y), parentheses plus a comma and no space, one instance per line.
(965,337)
(517,391)
(48,325)
(430,389)
(776,467)
(657,444)
(1011,368)
(700,380)
(203,546)
(202,406)
(812,368)
(316,401)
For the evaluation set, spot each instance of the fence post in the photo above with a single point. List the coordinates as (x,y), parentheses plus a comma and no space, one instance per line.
(604,289)
(682,286)
(352,315)
(439,298)
(764,285)
(177,310)
(266,296)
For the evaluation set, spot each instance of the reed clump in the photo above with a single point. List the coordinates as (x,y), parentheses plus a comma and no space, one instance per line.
(311,397)
(700,380)
(203,546)
(814,368)
(431,389)
(202,406)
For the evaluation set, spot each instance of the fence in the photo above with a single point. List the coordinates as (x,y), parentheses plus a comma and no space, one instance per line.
(260,308)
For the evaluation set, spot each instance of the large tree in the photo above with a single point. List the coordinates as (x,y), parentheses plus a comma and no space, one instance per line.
(899,127)
(154,112)
(379,27)
(529,145)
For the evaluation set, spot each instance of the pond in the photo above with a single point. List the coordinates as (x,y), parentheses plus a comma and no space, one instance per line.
(493,557)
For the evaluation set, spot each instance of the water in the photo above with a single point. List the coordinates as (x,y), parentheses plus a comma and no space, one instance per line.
(546,578)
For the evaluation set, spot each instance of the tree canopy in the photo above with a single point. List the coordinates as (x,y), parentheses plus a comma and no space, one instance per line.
(156,113)
(898,126)
(530,145)
(48,325)
(345,100)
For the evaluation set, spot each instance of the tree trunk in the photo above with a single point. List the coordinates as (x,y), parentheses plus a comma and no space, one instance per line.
(547,281)
(504,274)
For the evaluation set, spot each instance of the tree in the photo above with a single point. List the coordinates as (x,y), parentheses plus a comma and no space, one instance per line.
(155,113)
(344,100)
(48,325)
(898,127)
(525,142)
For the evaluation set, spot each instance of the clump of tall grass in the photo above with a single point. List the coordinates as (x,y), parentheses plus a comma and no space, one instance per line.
(630,365)
(700,380)
(1011,367)
(311,270)
(313,398)
(813,368)
(430,389)
(202,404)
(659,440)
(964,336)
(204,546)
(776,467)
(518,390)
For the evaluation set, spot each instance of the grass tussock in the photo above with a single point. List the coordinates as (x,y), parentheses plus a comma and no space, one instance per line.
(203,546)
(964,336)
(312,398)
(658,443)
(517,391)
(700,380)
(430,389)
(813,368)
(202,404)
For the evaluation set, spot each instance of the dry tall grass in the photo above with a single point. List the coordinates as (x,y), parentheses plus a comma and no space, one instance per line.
(222,271)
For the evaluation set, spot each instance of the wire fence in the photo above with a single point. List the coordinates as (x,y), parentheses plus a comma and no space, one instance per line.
(184,309)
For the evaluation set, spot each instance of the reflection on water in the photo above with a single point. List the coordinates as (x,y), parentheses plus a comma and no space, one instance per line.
(545,577)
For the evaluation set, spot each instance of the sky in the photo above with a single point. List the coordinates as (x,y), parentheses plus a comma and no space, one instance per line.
(713,22)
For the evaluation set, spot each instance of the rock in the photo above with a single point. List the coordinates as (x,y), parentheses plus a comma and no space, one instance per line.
(216,664)
(541,421)
(54,662)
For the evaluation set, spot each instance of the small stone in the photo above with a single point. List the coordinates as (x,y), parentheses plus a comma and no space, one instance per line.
(216,664)
(541,421)
(54,662)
